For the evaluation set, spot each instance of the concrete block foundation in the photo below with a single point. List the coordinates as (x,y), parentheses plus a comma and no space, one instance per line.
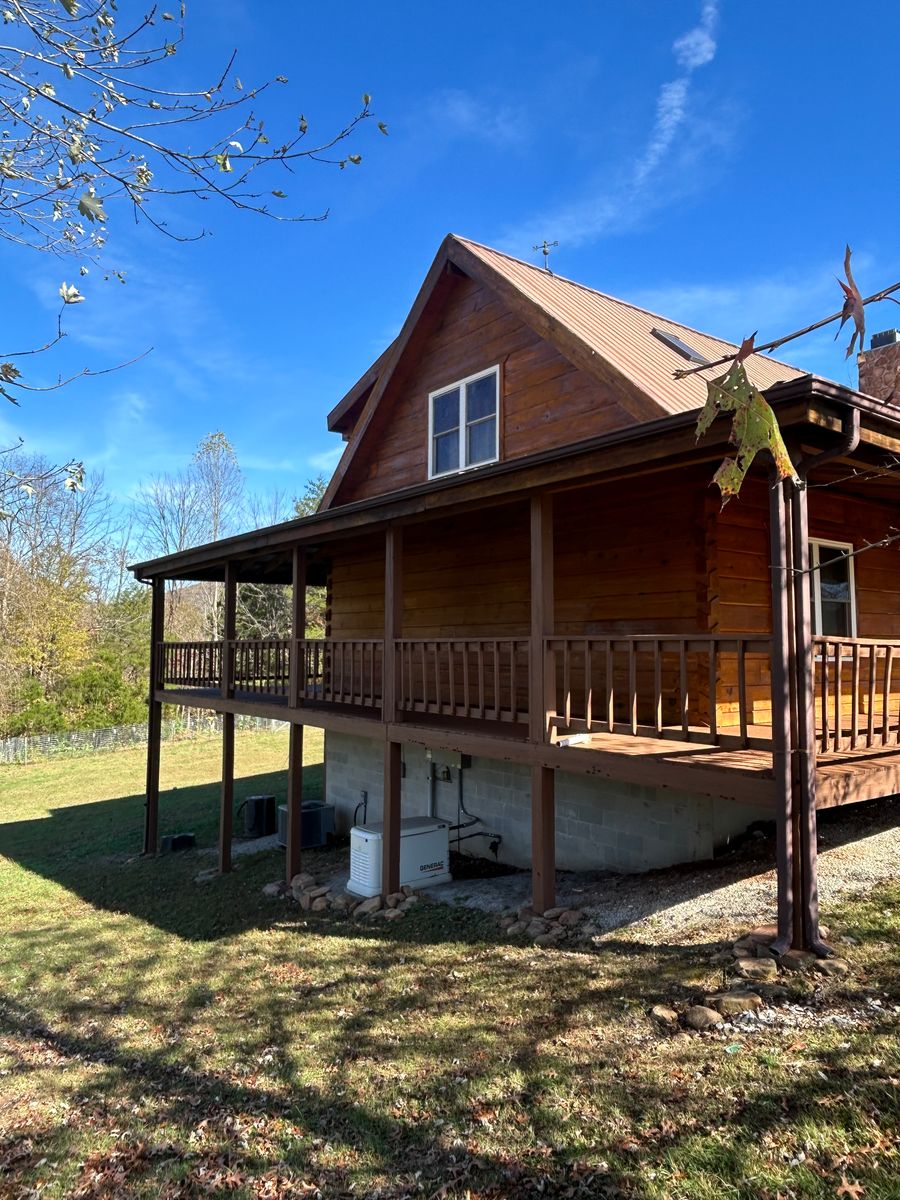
(600,824)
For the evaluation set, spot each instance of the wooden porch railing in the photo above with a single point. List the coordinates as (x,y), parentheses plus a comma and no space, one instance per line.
(857,688)
(474,678)
(710,689)
(190,664)
(334,671)
(715,690)
(341,671)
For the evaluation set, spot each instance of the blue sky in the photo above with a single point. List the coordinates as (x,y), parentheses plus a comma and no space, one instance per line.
(707,160)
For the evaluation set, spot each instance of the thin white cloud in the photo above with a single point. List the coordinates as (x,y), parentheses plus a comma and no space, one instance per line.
(697,47)
(620,205)
(466,115)
(327,460)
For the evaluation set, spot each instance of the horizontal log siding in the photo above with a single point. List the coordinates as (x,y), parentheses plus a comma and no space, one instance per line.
(356,589)
(738,554)
(468,576)
(545,401)
(629,560)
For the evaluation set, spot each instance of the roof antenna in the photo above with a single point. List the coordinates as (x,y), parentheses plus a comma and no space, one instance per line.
(545,247)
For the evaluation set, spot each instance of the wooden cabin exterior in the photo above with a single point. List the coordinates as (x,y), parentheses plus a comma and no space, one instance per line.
(525,564)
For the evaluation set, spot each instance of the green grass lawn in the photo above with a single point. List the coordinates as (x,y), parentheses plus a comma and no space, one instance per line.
(163,1038)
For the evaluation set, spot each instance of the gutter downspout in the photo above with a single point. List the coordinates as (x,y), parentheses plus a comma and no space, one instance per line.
(805,746)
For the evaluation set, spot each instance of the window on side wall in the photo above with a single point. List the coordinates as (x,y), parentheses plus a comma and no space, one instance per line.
(833,589)
(463,424)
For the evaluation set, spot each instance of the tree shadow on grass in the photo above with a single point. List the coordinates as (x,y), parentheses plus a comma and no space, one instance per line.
(93,850)
(498,1103)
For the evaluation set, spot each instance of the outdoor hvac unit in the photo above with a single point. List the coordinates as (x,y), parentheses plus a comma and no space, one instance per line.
(424,855)
(317,824)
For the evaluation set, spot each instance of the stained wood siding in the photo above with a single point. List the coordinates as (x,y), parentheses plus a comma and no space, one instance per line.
(738,558)
(545,402)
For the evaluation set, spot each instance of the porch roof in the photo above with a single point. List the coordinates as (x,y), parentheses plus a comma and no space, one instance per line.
(813,409)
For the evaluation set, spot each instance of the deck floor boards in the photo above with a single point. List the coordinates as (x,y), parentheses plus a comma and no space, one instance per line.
(843,777)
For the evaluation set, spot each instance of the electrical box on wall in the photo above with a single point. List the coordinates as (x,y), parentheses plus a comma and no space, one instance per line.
(449,758)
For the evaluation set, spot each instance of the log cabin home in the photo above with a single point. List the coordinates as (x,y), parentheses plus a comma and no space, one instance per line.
(539,613)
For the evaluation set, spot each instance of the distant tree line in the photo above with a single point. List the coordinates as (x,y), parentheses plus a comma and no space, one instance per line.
(74,650)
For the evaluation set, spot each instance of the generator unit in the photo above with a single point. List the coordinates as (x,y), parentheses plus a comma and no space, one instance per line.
(424,855)
(317,824)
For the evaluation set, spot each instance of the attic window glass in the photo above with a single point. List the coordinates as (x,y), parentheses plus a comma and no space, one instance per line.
(463,420)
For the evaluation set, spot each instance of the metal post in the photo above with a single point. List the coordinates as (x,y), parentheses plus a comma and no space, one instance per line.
(781,712)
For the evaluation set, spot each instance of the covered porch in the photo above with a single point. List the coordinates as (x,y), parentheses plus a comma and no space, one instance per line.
(606,620)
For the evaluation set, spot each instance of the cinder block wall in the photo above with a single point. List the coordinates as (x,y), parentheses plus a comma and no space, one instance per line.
(599,824)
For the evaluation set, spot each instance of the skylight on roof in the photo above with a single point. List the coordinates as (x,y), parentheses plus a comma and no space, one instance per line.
(680,347)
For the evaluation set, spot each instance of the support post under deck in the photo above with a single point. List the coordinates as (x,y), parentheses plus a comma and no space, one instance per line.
(393,616)
(781,712)
(226,807)
(154,729)
(541,703)
(294,837)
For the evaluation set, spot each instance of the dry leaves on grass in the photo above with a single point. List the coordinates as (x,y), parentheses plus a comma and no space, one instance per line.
(853,1190)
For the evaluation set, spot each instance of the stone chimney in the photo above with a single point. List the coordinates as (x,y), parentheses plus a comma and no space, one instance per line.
(879,367)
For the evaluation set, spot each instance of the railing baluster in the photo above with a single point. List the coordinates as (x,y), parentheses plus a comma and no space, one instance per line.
(713,689)
(588,690)
(451,665)
(567,682)
(683,686)
(873,669)
(825,727)
(657,688)
(886,694)
(838,697)
(632,685)
(742,690)
(496,682)
(610,689)
(479,652)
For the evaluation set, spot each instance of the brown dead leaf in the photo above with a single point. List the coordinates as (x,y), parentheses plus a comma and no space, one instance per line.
(853,1190)
(853,307)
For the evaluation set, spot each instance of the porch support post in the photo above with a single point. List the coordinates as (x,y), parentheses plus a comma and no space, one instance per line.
(298,628)
(226,806)
(294,804)
(390,845)
(228,630)
(805,749)
(541,703)
(393,620)
(540,700)
(543,839)
(154,717)
(781,712)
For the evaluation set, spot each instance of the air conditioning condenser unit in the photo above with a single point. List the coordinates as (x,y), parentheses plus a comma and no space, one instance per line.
(317,824)
(424,855)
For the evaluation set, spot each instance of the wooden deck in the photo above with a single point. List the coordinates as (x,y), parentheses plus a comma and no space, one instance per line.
(742,775)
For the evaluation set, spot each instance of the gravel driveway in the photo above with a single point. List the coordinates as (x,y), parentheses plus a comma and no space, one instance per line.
(859,845)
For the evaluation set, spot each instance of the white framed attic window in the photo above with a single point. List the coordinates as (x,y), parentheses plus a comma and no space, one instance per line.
(464,424)
(833,588)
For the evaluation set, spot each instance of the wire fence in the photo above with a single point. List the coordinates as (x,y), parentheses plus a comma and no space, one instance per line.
(76,742)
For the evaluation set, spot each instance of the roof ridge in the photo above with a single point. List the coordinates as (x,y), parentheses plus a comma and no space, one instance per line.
(617,299)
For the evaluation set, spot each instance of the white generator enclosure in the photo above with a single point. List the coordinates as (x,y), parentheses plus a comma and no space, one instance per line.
(424,855)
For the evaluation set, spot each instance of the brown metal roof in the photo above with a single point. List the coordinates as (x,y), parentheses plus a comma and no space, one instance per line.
(622,333)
